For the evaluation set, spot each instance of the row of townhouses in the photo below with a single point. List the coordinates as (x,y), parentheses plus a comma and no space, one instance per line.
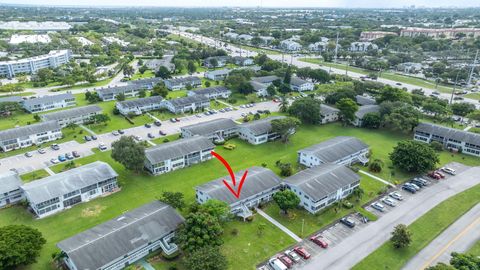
(260,84)
(48,103)
(182,83)
(79,115)
(139,106)
(215,92)
(222,61)
(26,136)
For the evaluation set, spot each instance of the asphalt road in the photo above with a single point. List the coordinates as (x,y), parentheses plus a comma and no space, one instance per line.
(357,246)
(38,161)
(459,237)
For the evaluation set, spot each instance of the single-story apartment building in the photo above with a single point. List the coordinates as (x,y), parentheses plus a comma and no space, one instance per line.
(61,191)
(187,104)
(451,138)
(10,192)
(215,130)
(35,134)
(243,61)
(47,103)
(182,82)
(217,75)
(110,93)
(258,188)
(362,111)
(124,240)
(178,154)
(212,92)
(342,150)
(139,106)
(321,186)
(259,131)
(79,115)
(328,114)
(299,84)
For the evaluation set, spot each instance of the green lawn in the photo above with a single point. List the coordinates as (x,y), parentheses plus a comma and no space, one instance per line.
(475,250)
(473,96)
(28,177)
(177,94)
(312,223)
(147,74)
(257,49)
(424,230)
(138,189)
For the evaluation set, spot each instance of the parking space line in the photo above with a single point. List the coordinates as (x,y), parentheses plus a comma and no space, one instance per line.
(280,226)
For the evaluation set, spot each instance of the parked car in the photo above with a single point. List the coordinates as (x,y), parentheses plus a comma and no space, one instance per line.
(397,196)
(317,239)
(413,185)
(115,133)
(62,158)
(409,188)
(162,133)
(292,255)
(87,138)
(75,154)
(378,206)
(102,147)
(302,252)
(285,260)
(54,161)
(55,146)
(147,125)
(150,135)
(418,182)
(434,175)
(177,119)
(440,174)
(121,131)
(157,123)
(94,137)
(348,222)
(276,264)
(449,170)
(28,154)
(173,120)
(68,156)
(389,202)
(138,138)
(41,151)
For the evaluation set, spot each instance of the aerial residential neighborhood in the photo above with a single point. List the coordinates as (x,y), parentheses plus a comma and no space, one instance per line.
(239,135)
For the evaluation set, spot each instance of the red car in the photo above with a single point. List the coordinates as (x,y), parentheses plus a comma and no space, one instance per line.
(317,239)
(302,252)
(434,175)
(440,173)
(285,260)
(178,119)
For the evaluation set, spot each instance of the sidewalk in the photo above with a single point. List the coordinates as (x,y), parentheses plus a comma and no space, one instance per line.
(377,178)
(280,226)
(88,130)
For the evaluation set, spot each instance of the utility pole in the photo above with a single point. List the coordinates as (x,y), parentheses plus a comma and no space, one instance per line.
(472,69)
(454,87)
(336,50)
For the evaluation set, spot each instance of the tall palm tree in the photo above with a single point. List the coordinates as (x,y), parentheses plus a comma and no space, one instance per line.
(283,104)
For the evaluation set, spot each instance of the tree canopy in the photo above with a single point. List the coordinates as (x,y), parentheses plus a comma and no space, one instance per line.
(20,245)
(286,199)
(128,153)
(306,109)
(285,127)
(414,156)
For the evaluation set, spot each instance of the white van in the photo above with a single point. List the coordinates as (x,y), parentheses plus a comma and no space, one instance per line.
(276,264)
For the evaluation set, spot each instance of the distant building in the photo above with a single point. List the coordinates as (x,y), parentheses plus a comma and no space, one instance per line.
(372,35)
(35,26)
(448,33)
(140,105)
(10,192)
(32,64)
(212,92)
(217,75)
(328,114)
(111,93)
(124,240)
(182,82)
(259,188)
(267,80)
(365,100)
(177,154)
(47,103)
(362,46)
(244,37)
(341,150)
(155,64)
(221,61)
(79,115)
(216,130)
(231,35)
(259,88)
(85,42)
(16,99)
(61,191)
(451,138)
(362,111)
(147,83)
(298,84)
(320,46)
(243,61)
(259,131)
(410,67)
(25,136)
(115,40)
(290,45)
(267,40)
(187,104)
(323,185)
(18,39)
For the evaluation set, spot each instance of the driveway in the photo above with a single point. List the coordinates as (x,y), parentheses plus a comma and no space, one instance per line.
(354,248)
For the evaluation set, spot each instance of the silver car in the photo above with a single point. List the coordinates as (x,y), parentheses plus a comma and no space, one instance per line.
(389,202)
(292,255)
(378,206)
(397,196)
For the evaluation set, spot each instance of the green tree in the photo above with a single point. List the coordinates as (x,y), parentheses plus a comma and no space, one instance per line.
(163,73)
(128,70)
(358,193)
(20,245)
(174,199)
(142,69)
(199,230)
(286,199)
(306,110)
(285,127)
(100,118)
(441,266)
(213,62)
(375,166)
(288,76)
(271,90)
(71,126)
(36,117)
(142,93)
(475,115)
(204,258)
(191,67)
(128,153)
(283,104)
(393,94)
(6,108)
(347,108)
(406,117)
(120,97)
(160,90)
(463,261)
(414,156)
(216,208)
(371,120)
(462,109)
(401,236)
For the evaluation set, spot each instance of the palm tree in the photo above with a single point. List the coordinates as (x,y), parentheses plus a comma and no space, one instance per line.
(358,192)
(283,104)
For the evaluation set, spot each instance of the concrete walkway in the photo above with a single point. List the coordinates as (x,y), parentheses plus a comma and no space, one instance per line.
(458,237)
(467,128)
(151,143)
(146,265)
(153,117)
(88,130)
(377,178)
(280,226)
(49,171)
(224,103)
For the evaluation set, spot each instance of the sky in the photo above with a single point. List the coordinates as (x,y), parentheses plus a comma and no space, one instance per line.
(256,3)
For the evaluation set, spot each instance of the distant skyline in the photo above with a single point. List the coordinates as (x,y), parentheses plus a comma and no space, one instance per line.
(255,3)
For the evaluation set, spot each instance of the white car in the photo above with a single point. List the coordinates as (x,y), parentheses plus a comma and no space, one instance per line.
(292,255)
(41,151)
(389,202)
(449,170)
(276,264)
(115,133)
(378,206)
(102,147)
(397,196)
(54,161)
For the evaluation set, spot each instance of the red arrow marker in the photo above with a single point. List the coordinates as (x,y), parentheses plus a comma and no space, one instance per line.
(235,193)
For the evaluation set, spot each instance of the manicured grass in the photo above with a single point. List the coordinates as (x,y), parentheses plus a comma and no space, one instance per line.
(31,176)
(473,96)
(172,137)
(147,74)
(475,250)
(138,189)
(176,94)
(313,223)
(257,49)
(216,105)
(424,230)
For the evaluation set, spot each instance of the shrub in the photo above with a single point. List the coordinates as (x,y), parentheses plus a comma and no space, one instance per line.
(376,166)
(234,232)
(436,146)
(166,140)
(249,219)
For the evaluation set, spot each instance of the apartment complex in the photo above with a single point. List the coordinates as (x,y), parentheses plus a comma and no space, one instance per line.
(187,104)
(212,92)
(48,103)
(178,154)
(61,191)
(372,35)
(328,114)
(139,106)
(10,192)
(80,115)
(449,33)
(259,131)
(183,82)
(215,130)
(25,136)
(32,64)
(110,93)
